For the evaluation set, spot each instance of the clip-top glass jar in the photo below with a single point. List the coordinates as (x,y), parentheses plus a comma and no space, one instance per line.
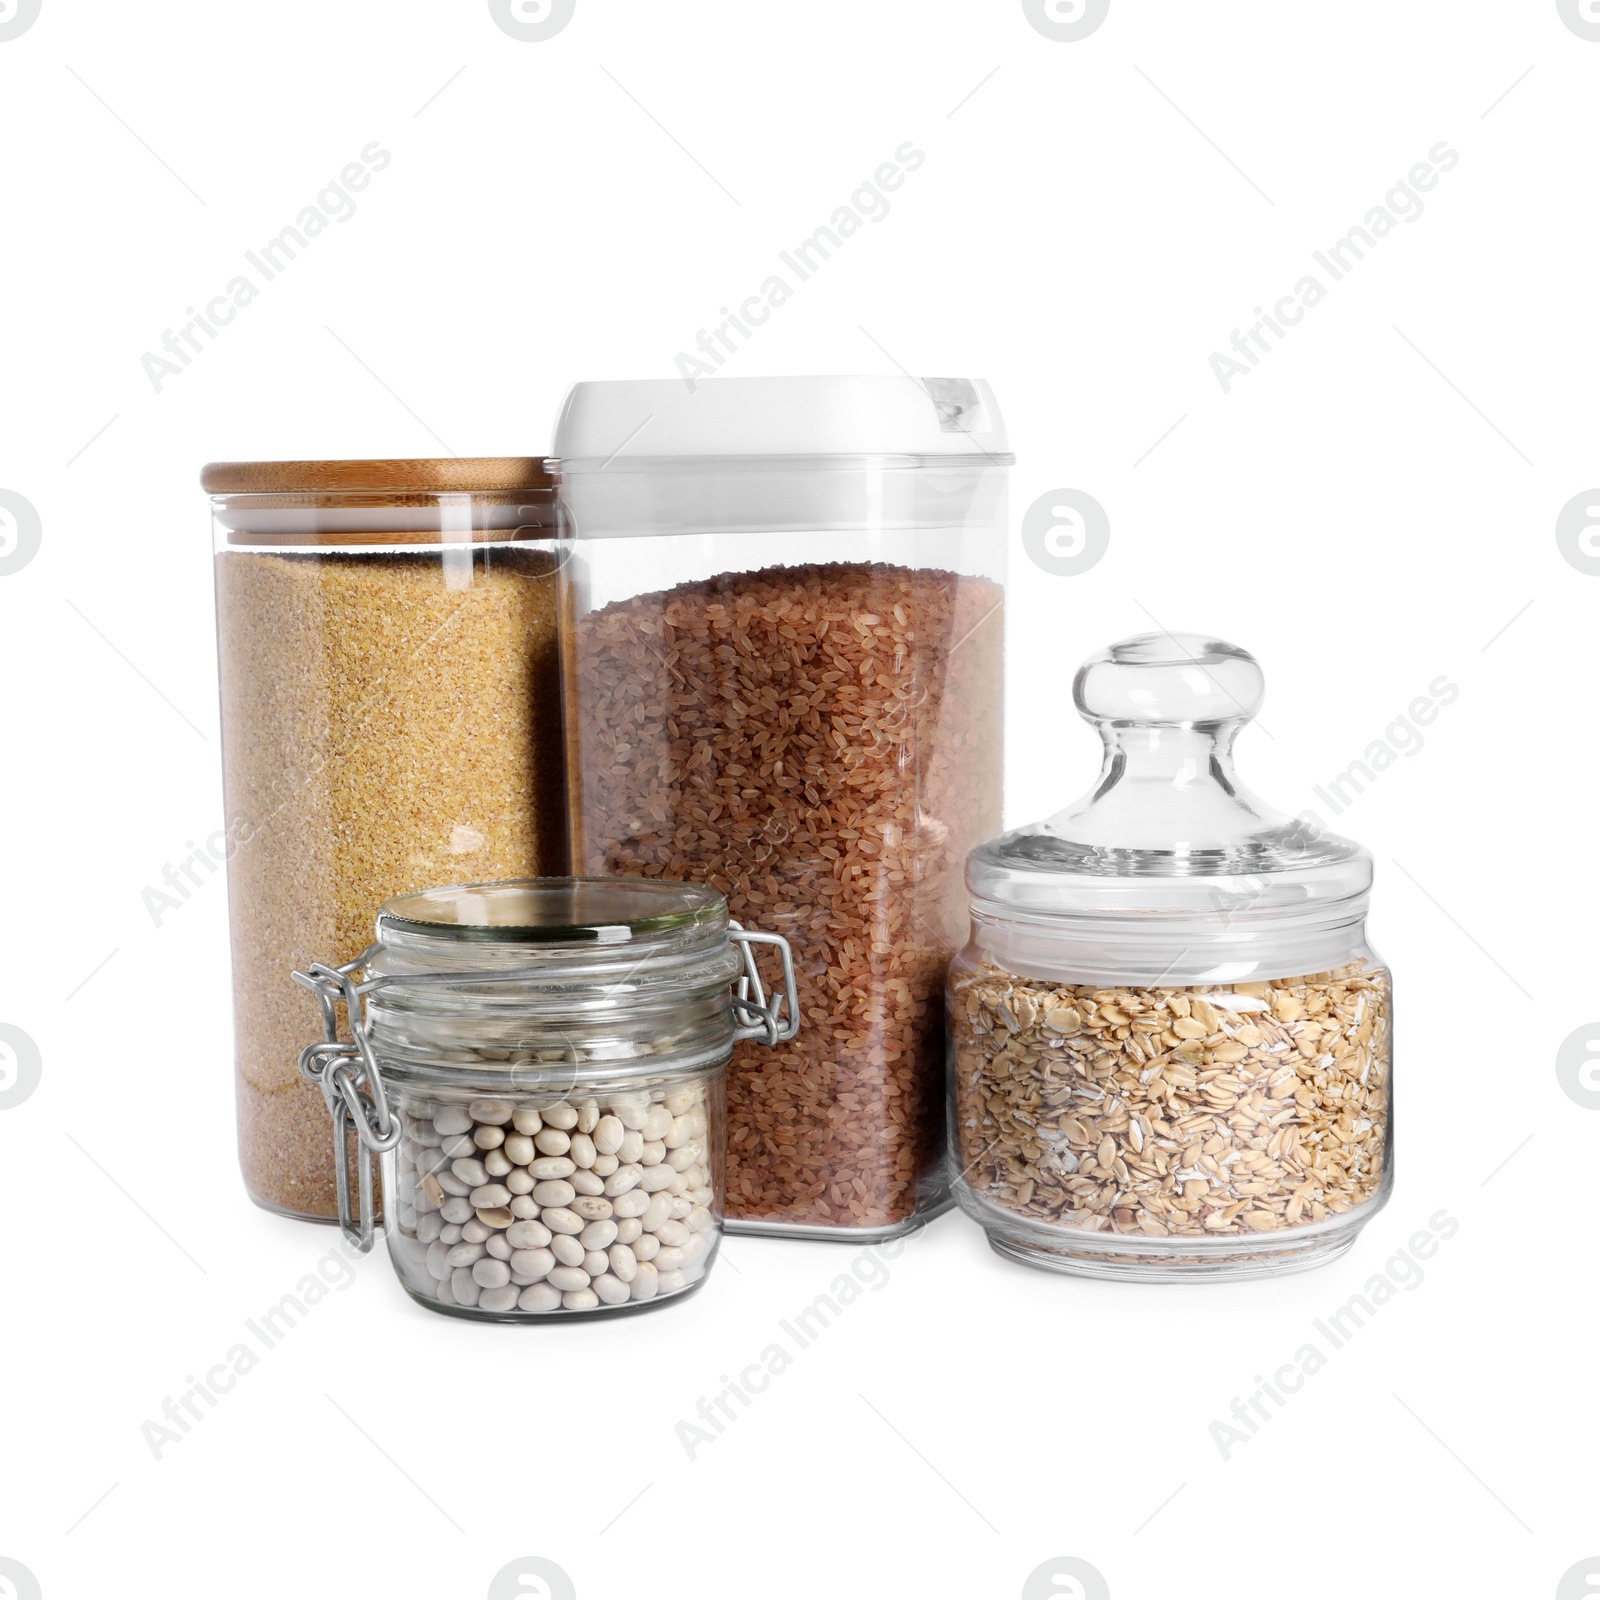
(540,1064)
(1170,1040)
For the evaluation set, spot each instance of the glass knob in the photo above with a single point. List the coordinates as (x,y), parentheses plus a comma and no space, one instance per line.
(1170,680)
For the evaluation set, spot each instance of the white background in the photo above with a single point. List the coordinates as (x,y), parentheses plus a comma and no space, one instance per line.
(1374,506)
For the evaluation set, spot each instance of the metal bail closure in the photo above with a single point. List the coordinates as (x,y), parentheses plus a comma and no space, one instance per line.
(347,1073)
(775,1021)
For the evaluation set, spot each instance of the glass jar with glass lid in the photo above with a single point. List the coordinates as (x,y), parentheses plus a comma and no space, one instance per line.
(1169,1037)
(539,1063)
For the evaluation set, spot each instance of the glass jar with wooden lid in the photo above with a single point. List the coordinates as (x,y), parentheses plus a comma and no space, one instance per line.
(388,665)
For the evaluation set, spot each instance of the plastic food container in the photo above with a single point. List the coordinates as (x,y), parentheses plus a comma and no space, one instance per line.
(785,680)
(539,1064)
(389,669)
(1169,1038)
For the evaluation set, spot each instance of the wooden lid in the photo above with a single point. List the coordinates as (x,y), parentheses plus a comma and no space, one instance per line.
(440,475)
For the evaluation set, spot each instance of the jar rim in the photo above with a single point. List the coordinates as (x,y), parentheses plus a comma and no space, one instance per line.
(557,911)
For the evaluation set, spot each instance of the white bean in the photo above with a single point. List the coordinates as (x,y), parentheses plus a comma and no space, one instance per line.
(610,1291)
(464,1287)
(526,1120)
(622,1262)
(501,1299)
(464,1254)
(566,1249)
(656,1179)
(580,1300)
(490,1195)
(673,1233)
(524,1206)
(519,1149)
(657,1124)
(563,1116)
(451,1119)
(631,1147)
(438,1260)
(633,1203)
(591,1207)
(587,1182)
(582,1150)
(490,1274)
(488,1138)
(608,1134)
(496,1245)
(450,1234)
(457,1208)
(682,1101)
(527,1235)
(670,1258)
(552,1167)
(495,1112)
(553,1192)
(588,1116)
(519,1180)
(653,1153)
(532,1264)
(645,1284)
(471,1172)
(623,1179)
(565,1278)
(458,1146)
(552,1142)
(496,1164)
(646,1247)
(540,1297)
(628,1229)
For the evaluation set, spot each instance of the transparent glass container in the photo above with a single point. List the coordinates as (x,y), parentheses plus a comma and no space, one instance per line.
(391,716)
(540,1066)
(784,678)
(1170,1041)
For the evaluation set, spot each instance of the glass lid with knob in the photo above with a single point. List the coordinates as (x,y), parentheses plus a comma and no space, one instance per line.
(1169,869)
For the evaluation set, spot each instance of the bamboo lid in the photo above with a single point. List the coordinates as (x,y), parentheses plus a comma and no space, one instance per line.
(436,475)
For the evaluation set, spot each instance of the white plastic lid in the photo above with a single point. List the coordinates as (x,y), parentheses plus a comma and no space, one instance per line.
(649,419)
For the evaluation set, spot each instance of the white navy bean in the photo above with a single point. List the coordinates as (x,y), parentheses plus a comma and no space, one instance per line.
(657,1123)
(437,1260)
(451,1184)
(451,1119)
(566,1249)
(588,1116)
(490,1194)
(475,1230)
(532,1264)
(652,1153)
(458,1146)
(526,1120)
(580,1300)
(553,1192)
(523,1205)
(490,1274)
(450,1234)
(562,1117)
(645,1283)
(586,1182)
(456,1208)
(670,1258)
(497,1246)
(628,1229)
(608,1134)
(464,1287)
(594,1262)
(634,1203)
(622,1262)
(552,1167)
(552,1142)
(582,1150)
(519,1180)
(673,1233)
(488,1137)
(496,1164)
(610,1291)
(428,1226)
(465,1253)
(497,1300)
(632,1146)
(670,1281)
(518,1148)
(541,1297)
(624,1179)
(591,1207)
(560,1221)
(527,1235)
(646,1247)
(565,1278)
(494,1112)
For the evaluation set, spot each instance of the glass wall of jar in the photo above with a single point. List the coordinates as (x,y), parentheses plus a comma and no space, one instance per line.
(1170,1041)
(785,679)
(540,1064)
(389,673)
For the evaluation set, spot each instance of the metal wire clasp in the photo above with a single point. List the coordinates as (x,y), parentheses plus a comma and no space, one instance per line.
(347,1073)
(775,1021)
